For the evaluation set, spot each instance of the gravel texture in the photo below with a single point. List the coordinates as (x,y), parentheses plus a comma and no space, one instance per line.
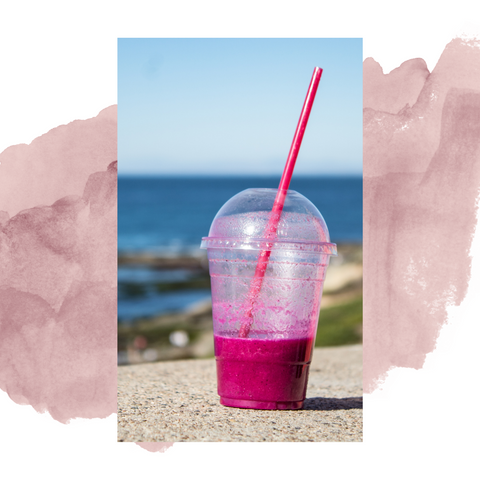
(177,402)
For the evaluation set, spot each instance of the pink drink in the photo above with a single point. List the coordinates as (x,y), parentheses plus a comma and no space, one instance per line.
(262,373)
(265,319)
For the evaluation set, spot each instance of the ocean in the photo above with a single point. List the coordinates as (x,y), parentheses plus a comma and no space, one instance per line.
(168,216)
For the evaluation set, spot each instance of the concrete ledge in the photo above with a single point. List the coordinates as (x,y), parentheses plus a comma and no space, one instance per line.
(177,401)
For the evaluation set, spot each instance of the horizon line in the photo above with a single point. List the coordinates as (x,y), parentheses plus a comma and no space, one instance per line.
(237,175)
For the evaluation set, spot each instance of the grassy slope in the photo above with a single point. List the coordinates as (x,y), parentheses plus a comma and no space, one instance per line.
(340,324)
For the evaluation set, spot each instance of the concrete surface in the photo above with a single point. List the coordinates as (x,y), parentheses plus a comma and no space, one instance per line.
(177,401)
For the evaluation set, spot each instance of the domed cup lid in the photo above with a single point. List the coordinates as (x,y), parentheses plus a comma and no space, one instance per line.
(242,222)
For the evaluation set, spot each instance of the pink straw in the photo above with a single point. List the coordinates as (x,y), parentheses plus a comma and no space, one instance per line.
(271,229)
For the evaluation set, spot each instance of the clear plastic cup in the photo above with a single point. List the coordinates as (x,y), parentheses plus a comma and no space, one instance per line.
(267,369)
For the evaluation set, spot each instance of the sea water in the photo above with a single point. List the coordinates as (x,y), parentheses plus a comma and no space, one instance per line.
(170,215)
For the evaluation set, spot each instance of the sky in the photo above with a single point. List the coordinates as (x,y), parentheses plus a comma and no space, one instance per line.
(231,106)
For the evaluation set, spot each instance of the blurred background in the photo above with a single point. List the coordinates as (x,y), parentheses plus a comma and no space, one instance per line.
(200,120)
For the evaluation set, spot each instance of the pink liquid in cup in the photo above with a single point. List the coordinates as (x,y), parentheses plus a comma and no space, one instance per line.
(262,373)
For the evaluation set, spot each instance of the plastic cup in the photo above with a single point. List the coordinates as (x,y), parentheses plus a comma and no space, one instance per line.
(268,369)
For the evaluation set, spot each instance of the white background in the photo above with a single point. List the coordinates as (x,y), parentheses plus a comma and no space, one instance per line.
(58,64)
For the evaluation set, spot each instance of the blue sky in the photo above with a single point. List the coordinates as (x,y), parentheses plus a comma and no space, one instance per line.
(231,106)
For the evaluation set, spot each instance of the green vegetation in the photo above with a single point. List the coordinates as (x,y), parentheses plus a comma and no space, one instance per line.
(132,290)
(340,324)
(135,289)
(194,283)
(158,329)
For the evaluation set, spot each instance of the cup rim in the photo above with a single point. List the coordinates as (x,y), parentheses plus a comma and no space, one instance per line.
(268,244)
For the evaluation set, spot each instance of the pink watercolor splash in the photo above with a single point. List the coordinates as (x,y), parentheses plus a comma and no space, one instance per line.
(155,446)
(57,163)
(421,182)
(58,251)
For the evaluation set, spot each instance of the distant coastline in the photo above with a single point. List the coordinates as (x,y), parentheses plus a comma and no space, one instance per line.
(192,259)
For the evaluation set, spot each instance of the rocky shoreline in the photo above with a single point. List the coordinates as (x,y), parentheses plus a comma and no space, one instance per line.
(347,253)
